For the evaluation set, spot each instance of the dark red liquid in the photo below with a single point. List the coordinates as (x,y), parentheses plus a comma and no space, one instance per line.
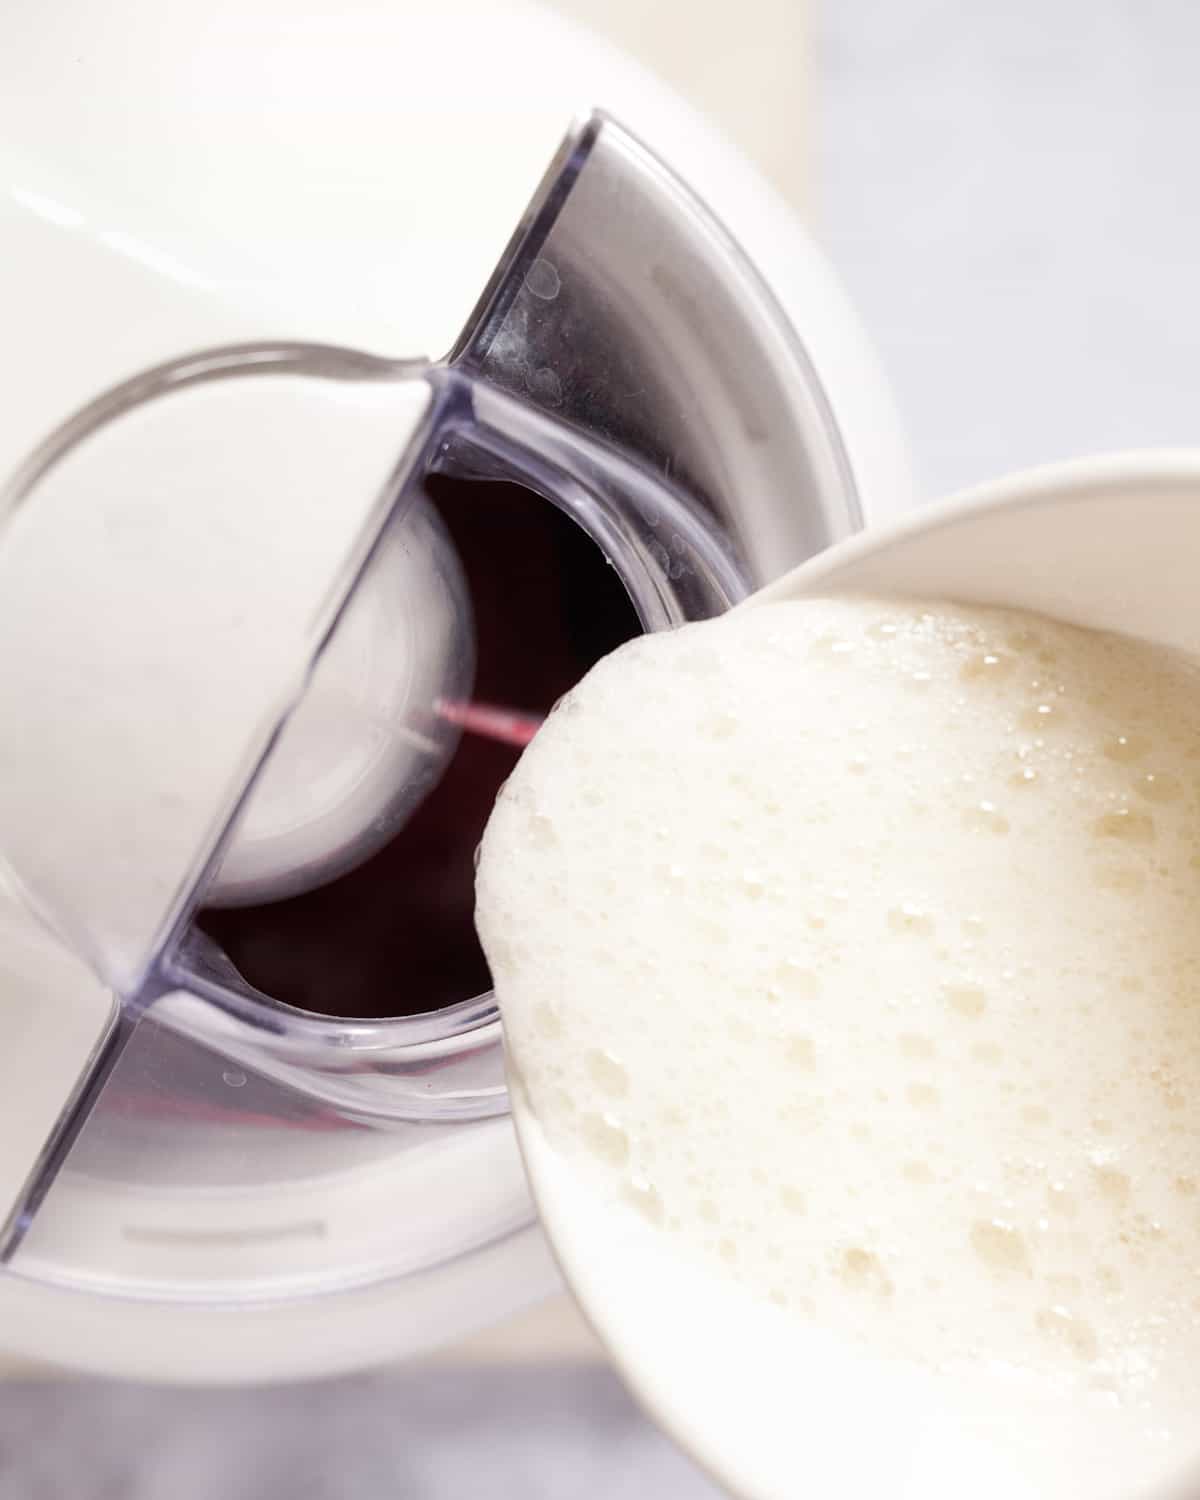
(396,936)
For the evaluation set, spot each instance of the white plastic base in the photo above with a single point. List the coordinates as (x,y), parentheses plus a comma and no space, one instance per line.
(296,1339)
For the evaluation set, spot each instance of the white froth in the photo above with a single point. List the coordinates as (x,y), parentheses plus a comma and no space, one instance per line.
(855,944)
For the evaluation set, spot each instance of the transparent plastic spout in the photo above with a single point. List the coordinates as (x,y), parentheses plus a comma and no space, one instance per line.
(237,650)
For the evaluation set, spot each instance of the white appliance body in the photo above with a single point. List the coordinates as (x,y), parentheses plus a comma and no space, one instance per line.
(178,177)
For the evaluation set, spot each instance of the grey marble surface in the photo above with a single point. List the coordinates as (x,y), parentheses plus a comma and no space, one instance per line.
(418,1434)
(1009,191)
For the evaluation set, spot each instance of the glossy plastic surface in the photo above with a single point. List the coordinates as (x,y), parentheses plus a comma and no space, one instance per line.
(217,1087)
(199,178)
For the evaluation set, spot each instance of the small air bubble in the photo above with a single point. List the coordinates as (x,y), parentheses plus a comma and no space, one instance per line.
(990,665)
(721,727)
(541,831)
(1159,786)
(801,1052)
(607,1073)
(912,919)
(547,1021)
(833,645)
(984,817)
(1001,1246)
(606,1138)
(641,1194)
(864,1271)
(1122,878)
(1127,748)
(967,999)
(1127,824)
(1040,716)
(1112,1183)
(1061,1200)
(795,978)
(1069,1331)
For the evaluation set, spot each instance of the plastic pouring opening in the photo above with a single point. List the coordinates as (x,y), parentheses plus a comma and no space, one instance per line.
(396,935)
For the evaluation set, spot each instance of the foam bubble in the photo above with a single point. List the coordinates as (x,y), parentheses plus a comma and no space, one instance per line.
(1000,1246)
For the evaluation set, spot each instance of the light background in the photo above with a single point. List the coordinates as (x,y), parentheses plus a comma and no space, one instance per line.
(1009,191)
